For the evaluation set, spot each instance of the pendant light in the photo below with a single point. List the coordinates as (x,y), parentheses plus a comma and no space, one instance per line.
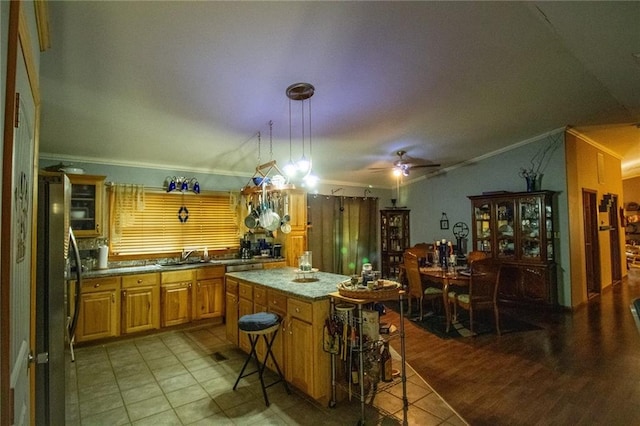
(302,92)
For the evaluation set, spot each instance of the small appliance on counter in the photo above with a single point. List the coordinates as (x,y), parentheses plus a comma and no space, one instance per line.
(276,251)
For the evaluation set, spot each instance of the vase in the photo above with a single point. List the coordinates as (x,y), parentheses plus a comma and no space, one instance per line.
(534,183)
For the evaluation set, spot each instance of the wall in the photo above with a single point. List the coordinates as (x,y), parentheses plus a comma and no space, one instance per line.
(631,190)
(498,171)
(582,173)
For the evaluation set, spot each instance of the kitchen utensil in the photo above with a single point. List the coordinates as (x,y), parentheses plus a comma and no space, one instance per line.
(285,227)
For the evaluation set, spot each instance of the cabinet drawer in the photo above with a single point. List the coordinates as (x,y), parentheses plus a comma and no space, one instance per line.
(260,296)
(129,281)
(231,286)
(277,302)
(299,309)
(210,272)
(177,276)
(245,291)
(100,284)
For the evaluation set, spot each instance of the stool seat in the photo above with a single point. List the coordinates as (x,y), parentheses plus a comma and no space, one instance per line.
(256,325)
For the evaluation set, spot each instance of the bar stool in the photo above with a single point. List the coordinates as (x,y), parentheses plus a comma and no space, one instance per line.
(256,325)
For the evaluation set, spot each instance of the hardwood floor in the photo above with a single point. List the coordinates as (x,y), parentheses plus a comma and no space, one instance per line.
(580,368)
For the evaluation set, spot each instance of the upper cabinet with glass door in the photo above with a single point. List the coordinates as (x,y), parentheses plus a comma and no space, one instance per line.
(87,201)
(482,219)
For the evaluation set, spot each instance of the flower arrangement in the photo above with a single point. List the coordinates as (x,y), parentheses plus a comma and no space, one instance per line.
(539,162)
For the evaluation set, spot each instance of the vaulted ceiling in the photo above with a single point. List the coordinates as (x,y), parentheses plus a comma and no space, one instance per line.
(187,85)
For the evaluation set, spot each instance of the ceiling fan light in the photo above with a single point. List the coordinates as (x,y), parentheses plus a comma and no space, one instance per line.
(405,171)
(397,172)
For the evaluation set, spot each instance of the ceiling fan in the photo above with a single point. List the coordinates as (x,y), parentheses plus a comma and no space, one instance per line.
(403,164)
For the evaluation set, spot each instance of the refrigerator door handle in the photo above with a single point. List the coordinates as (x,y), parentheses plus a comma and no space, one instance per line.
(76,308)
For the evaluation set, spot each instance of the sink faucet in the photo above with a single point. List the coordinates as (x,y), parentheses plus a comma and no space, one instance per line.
(185,254)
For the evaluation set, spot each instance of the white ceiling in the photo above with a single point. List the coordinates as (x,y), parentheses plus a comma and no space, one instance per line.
(187,85)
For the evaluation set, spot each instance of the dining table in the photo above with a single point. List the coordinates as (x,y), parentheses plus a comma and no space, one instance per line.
(456,278)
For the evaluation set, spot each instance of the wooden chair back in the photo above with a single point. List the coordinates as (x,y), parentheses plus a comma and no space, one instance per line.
(422,250)
(476,255)
(483,285)
(413,274)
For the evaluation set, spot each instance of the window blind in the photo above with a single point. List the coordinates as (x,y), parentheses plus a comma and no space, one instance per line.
(171,222)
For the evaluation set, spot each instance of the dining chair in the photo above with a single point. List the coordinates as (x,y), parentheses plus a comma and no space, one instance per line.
(415,282)
(476,255)
(482,293)
(471,257)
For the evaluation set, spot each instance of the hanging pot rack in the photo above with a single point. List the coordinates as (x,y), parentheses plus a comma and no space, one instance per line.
(263,178)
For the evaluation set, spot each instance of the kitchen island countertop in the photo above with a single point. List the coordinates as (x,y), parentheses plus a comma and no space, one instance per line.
(288,281)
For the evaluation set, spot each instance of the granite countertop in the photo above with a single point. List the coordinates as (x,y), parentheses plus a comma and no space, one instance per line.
(296,284)
(143,269)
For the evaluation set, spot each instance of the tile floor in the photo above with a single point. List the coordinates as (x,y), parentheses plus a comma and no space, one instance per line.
(186,378)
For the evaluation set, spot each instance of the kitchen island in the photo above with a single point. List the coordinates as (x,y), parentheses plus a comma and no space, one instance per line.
(303,303)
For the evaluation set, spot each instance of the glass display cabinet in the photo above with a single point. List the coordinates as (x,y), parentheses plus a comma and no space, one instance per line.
(517,228)
(394,239)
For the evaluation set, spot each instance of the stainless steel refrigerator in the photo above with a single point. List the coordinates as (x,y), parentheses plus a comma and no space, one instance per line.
(54,328)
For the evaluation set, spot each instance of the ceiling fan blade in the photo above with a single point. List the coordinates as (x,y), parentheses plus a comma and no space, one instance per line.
(419,166)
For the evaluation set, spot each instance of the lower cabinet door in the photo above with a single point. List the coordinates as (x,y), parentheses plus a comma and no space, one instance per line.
(231,318)
(98,316)
(245,307)
(208,299)
(139,309)
(299,358)
(176,304)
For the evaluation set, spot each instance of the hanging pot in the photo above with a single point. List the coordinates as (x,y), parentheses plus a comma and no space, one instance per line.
(251,221)
(285,227)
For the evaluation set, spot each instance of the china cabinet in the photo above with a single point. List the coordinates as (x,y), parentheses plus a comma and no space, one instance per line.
(394,239)
(87,201)
(517,228)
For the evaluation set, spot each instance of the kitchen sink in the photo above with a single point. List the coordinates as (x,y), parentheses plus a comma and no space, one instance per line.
(176,263)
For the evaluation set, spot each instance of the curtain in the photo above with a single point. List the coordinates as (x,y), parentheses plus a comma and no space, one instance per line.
(126,201)
(343,233)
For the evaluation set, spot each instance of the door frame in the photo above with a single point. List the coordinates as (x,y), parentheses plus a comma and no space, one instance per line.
(591,245)
(19,44)
(614,241)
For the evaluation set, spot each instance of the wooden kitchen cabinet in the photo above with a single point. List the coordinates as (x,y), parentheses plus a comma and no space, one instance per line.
(98,317)
(209,294)
(231,310)
(298,345)
(245,307)
(140,302)
(517,229)
(175,297)
(294,244)
(277,303)
(87,205)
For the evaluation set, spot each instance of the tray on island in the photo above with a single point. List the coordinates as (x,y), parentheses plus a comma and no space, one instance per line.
(388,290)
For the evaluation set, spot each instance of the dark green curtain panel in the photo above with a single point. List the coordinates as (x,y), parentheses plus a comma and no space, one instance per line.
(343,233)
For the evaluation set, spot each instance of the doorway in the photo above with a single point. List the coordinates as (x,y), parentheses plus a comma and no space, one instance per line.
(591,245)
(614,238)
